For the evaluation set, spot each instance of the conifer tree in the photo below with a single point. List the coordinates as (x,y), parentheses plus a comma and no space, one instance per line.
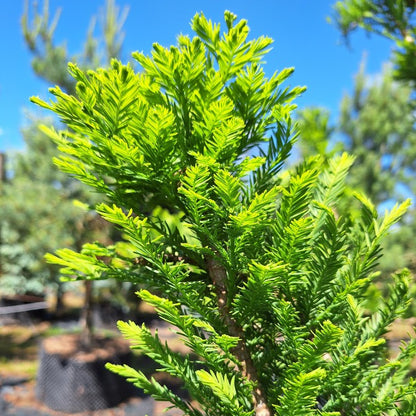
(393,19)
(37,215)
(260,278)
(378,124)
(37,207)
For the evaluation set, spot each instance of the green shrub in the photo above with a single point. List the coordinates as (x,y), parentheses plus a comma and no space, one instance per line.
(250,263)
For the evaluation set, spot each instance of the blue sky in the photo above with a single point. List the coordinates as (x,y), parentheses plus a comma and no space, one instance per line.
(302,36)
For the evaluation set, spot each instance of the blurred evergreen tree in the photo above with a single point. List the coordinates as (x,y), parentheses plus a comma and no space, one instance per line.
(393,19)
(38,213)
(377,126)
(378,123)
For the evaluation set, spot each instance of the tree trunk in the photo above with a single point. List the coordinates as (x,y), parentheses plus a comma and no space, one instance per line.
(218,276)
(86,317)
(59,306)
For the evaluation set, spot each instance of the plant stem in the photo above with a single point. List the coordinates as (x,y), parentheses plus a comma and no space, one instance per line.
(218,275)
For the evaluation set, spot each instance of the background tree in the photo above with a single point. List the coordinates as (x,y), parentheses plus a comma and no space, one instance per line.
(38,213)
(377,126)
(394,19)
(50,61)
(394,137)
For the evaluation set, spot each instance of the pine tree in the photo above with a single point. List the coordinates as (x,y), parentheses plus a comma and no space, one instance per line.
(260,277)
(378,121)
(38,213)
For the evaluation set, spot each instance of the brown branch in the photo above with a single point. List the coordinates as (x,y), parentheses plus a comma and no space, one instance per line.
(218,275)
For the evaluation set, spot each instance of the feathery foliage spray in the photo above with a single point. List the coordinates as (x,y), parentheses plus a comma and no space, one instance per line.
(257,273)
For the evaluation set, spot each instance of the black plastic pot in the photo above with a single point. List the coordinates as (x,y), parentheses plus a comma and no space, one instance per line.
(70,385)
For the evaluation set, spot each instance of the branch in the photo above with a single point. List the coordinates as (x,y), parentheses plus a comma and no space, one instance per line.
(218,275)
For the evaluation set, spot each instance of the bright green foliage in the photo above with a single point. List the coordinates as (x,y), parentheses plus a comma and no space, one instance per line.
(258,274)
(394,19)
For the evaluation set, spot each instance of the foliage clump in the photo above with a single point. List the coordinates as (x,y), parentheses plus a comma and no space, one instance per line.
(250,263)
(392,19)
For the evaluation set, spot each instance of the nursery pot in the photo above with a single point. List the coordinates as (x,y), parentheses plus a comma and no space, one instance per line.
(71,380)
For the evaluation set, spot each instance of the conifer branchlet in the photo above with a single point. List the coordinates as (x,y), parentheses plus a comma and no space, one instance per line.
(249,262)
